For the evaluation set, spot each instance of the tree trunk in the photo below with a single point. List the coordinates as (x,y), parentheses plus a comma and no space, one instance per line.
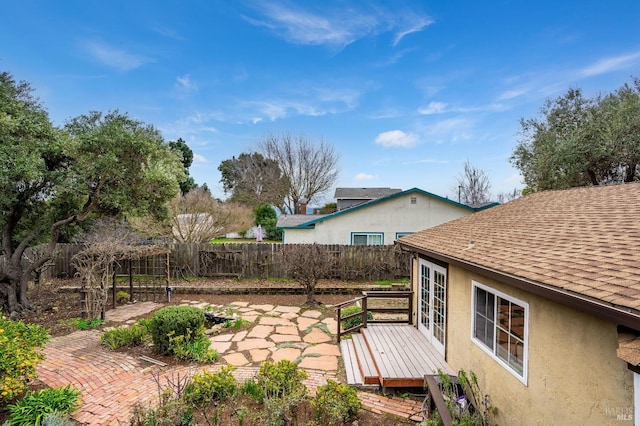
(311,301)
(9,299)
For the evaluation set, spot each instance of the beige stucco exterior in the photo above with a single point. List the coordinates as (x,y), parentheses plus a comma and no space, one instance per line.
(390,217)
(574,375)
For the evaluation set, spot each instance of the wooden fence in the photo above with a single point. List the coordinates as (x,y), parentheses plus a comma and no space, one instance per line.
(248,260)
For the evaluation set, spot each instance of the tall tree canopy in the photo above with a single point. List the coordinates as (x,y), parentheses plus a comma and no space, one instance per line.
(579,141)
(52,178)
(186,154)
(310,169)
(253,179)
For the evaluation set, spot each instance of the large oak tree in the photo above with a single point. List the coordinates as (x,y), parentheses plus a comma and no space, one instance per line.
(50,179)
(579,141)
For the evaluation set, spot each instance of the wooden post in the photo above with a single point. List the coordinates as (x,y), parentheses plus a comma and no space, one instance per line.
(130,280)
(364,311)
(410,319)
(113,275)
(339,323)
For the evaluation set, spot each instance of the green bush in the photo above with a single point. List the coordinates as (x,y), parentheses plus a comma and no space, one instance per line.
(355,321)
(86,324)
(122,297)
(335,403)
(250,387)
(124,336)
(174,321)
(189,349)
(206,387)
(19,355)
(280,379)
(35,406)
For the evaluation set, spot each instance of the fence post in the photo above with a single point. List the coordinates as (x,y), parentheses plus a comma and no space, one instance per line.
(339,323)
(364,311)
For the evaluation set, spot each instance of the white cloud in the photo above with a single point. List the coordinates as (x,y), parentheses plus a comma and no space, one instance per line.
(433,108)
(337,26)
(606,65)
(396,138)
(197,158)
(514,179)
(362,177)
(511,94)
(184,82)
(114,57)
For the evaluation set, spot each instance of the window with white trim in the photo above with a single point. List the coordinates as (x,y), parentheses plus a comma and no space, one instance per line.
(402,234)
(500,328)
(367,238)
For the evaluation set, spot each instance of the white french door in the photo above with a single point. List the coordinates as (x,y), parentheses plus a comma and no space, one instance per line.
(432,303)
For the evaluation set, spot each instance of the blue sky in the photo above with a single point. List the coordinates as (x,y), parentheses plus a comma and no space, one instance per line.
(406,91)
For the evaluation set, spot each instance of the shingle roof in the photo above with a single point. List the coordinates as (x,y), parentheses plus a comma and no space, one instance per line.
(585,241)
(292,220)
(364,193)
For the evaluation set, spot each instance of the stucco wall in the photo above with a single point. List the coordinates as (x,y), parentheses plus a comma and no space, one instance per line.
(389,217)
(574,375)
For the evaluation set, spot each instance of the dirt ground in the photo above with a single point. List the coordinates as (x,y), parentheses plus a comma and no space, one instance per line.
(56,311)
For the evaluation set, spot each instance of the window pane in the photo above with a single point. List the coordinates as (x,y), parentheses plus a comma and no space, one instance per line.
(517,321)
(504,308)
(359,239)
(502,345)
(375,240)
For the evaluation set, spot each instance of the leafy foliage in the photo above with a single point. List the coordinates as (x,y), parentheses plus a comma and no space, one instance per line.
(267,218)
(335,403)
(86,324)
(181,148)
(125,336)
(174,321)
(579,141)
(352,322)
(207,387)
(192,348)
(253,179)
(35,406)
(19,355)
(282,390)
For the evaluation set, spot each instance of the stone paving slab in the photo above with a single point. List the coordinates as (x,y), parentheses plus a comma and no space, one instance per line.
(281,338)
(111,382)
(311,314)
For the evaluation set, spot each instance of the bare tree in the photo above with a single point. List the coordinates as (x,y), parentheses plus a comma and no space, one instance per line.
(505,197)
(198,217)
(473,186)
(310,169)
(307,263)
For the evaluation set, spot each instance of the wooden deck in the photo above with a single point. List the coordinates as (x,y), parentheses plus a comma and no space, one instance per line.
(400,354)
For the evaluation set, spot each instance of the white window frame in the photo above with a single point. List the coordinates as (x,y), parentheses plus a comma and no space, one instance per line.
(368,234)
(402,234)
(492,351)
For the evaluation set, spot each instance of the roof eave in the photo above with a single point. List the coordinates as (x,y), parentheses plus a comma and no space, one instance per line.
(617,314)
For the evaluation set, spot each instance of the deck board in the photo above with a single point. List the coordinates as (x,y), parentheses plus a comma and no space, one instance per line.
(402,355)
(351,367)
(365,361)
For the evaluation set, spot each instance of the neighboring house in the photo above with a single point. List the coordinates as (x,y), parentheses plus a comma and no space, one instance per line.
(376,222)
(540,298)
(349,197)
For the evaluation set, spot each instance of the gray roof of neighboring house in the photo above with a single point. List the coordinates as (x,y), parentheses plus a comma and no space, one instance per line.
(293,220)
(364,193)
(309,221)
(583,242)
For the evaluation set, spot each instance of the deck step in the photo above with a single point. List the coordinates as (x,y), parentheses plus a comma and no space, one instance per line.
(367,366)
(351,367)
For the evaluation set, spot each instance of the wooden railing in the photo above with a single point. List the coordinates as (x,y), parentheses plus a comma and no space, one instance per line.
(367,310)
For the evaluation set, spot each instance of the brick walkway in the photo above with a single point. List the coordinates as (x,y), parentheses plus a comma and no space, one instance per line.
(112,382)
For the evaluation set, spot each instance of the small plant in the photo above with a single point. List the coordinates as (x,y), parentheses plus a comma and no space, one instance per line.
(236,323)
(252,388)
(86,324)
(122,297)
(282,390)
(35,406)
(19,355)
(335,403)
(175,321)
(355,321)
(57,419)
(206,387)
(125,336)
(192,349)
(171,410)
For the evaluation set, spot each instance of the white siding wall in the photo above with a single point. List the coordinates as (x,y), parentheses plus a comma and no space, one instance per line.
(389,217)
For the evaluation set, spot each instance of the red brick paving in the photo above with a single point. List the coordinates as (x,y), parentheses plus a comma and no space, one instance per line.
(112,382)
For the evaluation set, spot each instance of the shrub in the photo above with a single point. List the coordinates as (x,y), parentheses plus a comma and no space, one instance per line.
(335,403)
(280,379)
(124,336)
(122,297)
(355,321)
(35,406)
(250,387)
(86,324)
(189,349)
(19,355)
(206,387)
(174,321)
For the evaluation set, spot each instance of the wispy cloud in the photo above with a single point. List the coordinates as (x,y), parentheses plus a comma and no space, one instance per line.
(452,130)
(185,83)
(433,108)
(607,65)
(428,161)
(362,177)
(114,57)
(511,94)
(197,158)
(336,26)
(395,138)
